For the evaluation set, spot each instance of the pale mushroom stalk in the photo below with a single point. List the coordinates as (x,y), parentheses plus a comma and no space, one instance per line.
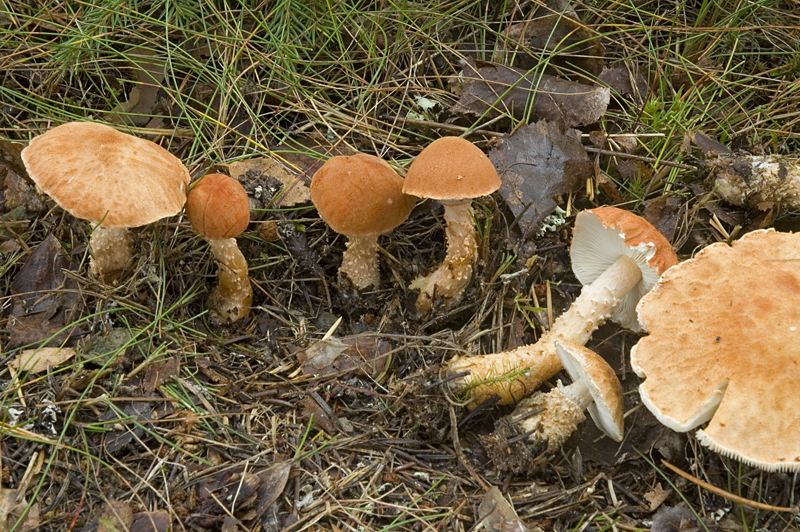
(232,298)
(561,412)
(360,261)
(452,276)
(524,369)
(111,250)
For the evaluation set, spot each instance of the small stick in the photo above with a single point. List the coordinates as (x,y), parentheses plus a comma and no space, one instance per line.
(726,494)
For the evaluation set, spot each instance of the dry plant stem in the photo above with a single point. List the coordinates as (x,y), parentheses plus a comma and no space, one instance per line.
(452,277)
(111,250)
(360,261)
(511,375)
(231,299)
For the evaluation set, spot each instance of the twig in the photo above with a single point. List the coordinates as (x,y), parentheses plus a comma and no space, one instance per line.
(639,158)
(726,494)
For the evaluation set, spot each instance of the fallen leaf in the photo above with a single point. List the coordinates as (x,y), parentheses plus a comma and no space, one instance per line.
(497,514)
(149,71)
(11,155)
(314,411)
(11,508)
(537,163)
(624,82)
(114,516)
(43,299)
(568,44)
(273,482)
(662,213)
(680,519)
(159,373)
(158,521)
(294,190)
(38,360)
(366,356)
(492,89)
(656,496)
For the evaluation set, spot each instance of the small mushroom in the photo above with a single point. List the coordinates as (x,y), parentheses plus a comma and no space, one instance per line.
(724,348)
(453,171)
(619,257)
(113,180)
(219,210)
(360,196)
(594,387)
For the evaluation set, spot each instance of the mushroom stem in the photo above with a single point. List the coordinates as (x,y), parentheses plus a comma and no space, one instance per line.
(111,250)
(360,261)
(561,411)
(452,277)
(511,375)
(232,298)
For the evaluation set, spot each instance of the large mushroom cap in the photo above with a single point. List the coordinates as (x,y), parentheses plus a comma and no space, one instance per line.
(603,235)
(451,168)
(584,364)
(360,195)
(96,173)
(724,346)
(218,207)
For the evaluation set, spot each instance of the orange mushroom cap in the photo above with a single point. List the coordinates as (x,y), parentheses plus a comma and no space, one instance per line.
(218,207)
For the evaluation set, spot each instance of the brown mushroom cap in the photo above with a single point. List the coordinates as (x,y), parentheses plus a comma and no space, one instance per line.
(96,173)
(360,195)
(606,408)
(604,234)
(724,346)
(218,207)
(451,168)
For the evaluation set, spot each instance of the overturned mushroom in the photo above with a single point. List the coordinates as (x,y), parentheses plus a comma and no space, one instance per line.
(453,171)
(113,180)
(619,257)
(724,348)
(219,210)
(557,413)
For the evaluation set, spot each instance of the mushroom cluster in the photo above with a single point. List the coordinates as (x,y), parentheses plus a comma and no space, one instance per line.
(619,257)
(113,180)
(724,348)
(454,172)
(360,197)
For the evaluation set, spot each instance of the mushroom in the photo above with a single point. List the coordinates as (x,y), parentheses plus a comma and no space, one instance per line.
(360,196)
(724,348)
(619,257)
(219,210)
(453,171)
(113,180)
(554,415)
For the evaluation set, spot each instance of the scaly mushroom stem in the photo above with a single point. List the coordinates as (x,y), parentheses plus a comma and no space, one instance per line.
(111,251)
(231,299)
(561,412)
(360,261)
(452,277)
(511,375)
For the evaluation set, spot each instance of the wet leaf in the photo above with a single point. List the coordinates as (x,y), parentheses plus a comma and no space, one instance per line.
(568,44)
(680,519)
(663,214)
(367,356)
(160,372)
(494,90)
(44,300)
(312,410)
(273,482)
(38,360)
(537,163)
(497,515)
(158,521)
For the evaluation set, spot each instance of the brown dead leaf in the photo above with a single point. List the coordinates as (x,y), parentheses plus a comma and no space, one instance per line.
(663,213)
(11,508)
(114,516)
(295,190)
(537,163)
(38,360)
(11,155)
(657,496)
(307,154)
(43,299)
(160,372)
(680,519)
(321,416)
(625,83)
(568,43)
(273,482)
(494,89)
(497,514)
(158,521)
(367,356)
